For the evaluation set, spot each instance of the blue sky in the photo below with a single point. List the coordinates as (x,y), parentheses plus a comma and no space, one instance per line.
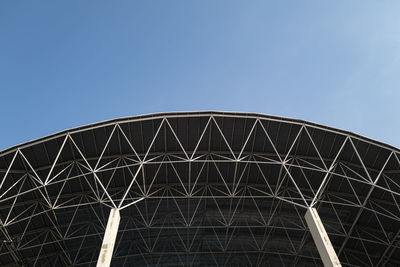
(69,63)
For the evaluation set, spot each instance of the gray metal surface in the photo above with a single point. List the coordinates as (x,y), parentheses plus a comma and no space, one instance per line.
(321,239)
(108,244)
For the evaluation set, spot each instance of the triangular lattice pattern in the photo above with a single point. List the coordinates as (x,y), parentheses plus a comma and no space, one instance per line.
(199,189)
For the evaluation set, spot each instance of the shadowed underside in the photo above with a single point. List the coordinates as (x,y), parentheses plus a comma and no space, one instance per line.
(201,189)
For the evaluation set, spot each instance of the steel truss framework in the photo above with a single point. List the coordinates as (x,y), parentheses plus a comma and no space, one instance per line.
(201,189)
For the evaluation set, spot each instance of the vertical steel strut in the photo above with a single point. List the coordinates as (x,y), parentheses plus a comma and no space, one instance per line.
(110,235)
(321,239)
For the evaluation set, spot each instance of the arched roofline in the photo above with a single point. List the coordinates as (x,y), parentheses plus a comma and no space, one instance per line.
(154,116)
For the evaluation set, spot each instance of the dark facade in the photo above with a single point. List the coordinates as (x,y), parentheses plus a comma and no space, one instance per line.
(199,189)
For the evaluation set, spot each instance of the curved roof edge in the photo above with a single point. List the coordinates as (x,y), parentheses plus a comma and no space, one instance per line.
(193,114)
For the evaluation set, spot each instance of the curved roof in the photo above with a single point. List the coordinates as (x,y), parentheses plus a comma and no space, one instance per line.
(202,189)
(194,114)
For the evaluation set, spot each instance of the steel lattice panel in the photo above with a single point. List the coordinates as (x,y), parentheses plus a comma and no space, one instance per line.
(199,189)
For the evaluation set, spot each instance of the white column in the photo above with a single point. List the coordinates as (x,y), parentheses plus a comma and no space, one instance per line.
(321,239)
(110,235)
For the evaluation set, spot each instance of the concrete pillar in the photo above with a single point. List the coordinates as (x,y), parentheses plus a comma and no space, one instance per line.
(110,235)
(321,239)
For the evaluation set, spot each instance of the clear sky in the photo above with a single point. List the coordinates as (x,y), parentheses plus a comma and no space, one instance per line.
(69,63)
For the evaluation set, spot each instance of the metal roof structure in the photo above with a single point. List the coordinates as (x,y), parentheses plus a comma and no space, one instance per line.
(199,189)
